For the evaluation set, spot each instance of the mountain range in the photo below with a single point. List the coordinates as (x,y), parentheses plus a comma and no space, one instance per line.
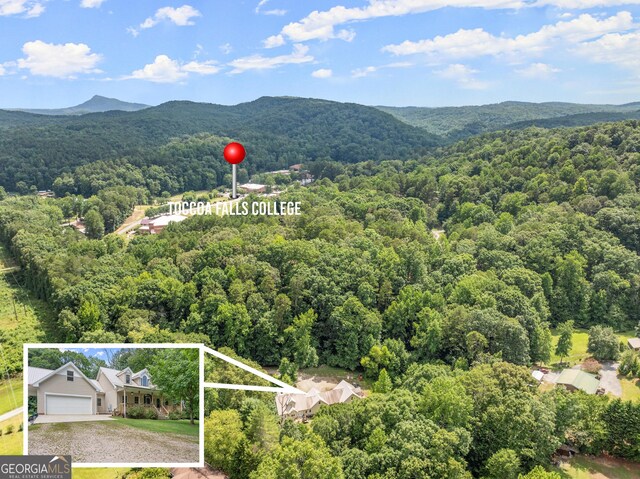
(97,104)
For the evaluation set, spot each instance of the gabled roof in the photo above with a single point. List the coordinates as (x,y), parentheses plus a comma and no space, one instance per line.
(305,402)
(139,373)
(634,343)
(35,374)
(579,380)
(124,371)
(113,375)
(63,367)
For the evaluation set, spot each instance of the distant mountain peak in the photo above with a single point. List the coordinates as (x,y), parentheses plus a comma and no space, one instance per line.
(96,104)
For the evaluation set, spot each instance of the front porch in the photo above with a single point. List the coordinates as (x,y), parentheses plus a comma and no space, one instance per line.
(129,397)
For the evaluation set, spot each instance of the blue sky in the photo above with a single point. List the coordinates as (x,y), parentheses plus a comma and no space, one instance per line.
(58,53)
(99,353)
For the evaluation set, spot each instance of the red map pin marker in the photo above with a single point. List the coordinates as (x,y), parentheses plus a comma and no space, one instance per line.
(234,153)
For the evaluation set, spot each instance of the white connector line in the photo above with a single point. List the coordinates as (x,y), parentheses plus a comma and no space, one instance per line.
(284,387)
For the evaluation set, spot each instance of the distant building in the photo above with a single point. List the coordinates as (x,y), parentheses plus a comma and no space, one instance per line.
(279,172)
(634,343)
(253,188)
(574,379)
(46,194)
(155,226)
(296,167)
(303,406)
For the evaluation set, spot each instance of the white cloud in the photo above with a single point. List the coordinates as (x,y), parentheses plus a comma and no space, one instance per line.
(273,41)
(181,16)
(2,70)
(91,3)
(541,71)
(275,11)
(226,48)
(366,71)
(322,73)
(58,60)
(463,75)
(30,8)
(477,42)
(165,70)
(583,4)
(616,49)
(260,62)
(100,353)
(201,68)
(321,25)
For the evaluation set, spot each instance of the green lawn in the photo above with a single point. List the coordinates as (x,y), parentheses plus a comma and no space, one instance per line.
(336,375)
(630,389)
(98,472)
(579,350)
(180,426)
(582,467)
(11,444)
(10,394)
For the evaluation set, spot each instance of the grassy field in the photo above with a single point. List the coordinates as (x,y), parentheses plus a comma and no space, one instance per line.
(583,467)
(180,426)
(23,319)
(11,444)
(10,394)
(336,375)
(579,350)
(98,472)
(630,389)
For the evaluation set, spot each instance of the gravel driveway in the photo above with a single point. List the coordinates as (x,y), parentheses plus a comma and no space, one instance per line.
(609,378)
(110,441)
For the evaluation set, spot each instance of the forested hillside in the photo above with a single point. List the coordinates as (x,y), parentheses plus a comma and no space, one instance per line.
(541,228)
(455,123)
(277,132)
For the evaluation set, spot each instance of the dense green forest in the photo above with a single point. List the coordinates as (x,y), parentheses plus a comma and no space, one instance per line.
(541,229)
(278,132)
(459,122)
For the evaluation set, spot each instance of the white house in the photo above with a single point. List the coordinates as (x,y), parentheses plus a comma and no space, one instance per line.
(302,406)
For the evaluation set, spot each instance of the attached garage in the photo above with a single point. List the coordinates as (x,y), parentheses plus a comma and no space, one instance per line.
(67,404)
(65,391)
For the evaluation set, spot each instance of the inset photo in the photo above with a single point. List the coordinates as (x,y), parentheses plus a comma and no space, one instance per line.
(105,404)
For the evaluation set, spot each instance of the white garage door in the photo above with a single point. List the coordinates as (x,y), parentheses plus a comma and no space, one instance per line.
(67,405)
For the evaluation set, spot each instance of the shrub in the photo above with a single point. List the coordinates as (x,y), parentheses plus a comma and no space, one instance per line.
(10,429)
(147,473)
(135,412)
(173,415)
(592,366)
(150,413)
(20,427)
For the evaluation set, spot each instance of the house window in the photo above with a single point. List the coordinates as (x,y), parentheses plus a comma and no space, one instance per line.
(166,402)
(136,400)
(128,379)
(145,381)
(69,375)
(123,399)
(147,399)
(99,402)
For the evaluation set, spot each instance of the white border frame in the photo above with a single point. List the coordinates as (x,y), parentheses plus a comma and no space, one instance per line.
(25,393)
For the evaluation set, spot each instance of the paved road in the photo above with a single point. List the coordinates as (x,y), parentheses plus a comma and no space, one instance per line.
(10,414)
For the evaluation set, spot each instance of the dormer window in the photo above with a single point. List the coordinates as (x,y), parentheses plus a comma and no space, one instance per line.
(127,379)
(145,380)
(69,375)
